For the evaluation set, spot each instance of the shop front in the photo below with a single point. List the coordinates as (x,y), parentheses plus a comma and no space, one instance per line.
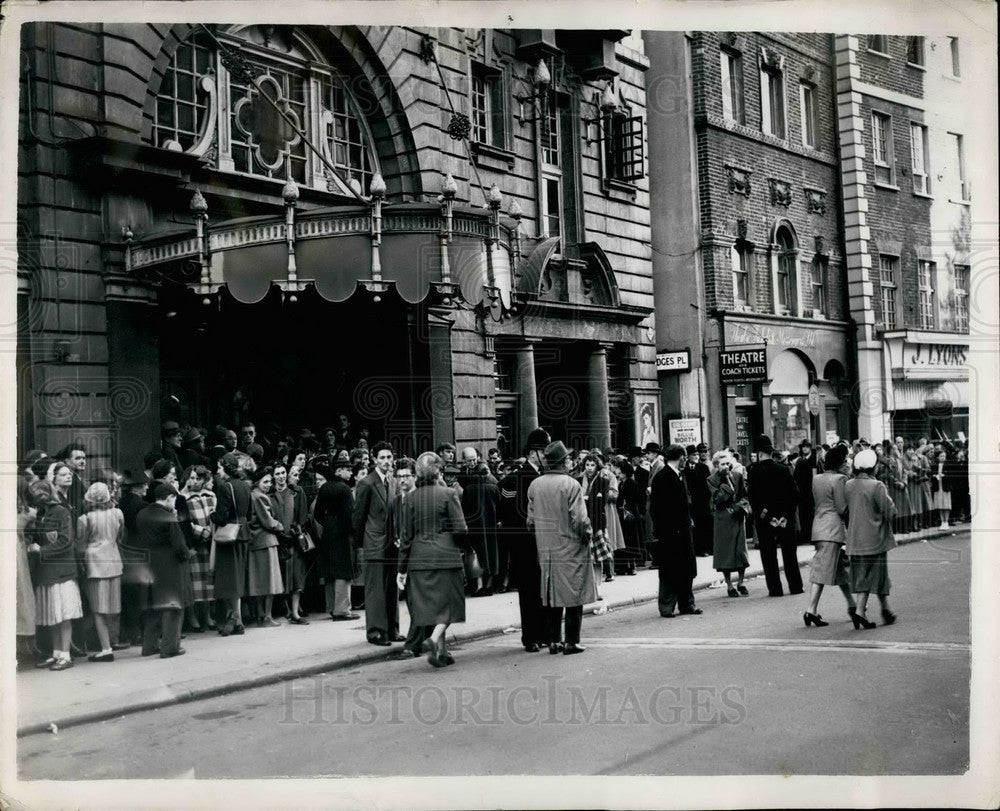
(927,384)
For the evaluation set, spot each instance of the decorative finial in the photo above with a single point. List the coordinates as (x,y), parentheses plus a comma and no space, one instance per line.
(198,204)
(377,186)
(290,192)
(542,75)
(608,101)
(494,198)
(450,188)
(515,212)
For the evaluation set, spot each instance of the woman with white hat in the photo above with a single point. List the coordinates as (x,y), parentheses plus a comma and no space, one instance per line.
(98,534)
(869,538)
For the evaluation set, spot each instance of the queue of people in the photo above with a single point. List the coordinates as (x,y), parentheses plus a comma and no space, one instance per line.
(218,538)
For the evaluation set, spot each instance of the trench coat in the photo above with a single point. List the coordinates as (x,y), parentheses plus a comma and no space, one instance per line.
(871,510)
(160,535)
(729,534)
(558,514)
(333,514)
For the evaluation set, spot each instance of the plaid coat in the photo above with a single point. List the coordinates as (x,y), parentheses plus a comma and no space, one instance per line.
(200,506)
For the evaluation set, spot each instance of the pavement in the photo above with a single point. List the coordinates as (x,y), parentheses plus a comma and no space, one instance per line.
(215,665)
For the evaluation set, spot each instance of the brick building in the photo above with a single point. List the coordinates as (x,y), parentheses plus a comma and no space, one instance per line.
(190,250)
(746,232)
(903,129)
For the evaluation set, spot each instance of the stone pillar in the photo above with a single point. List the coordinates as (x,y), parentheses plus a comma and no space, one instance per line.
(597,396)
(524,384)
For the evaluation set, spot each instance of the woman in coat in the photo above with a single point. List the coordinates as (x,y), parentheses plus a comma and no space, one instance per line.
(57,596)
(199,504)
(289,508)
(869,538)
(941,482)
(595,494)
(98,534)
(480,500)
(230,566)
(170,593)
(430,562)
(629,512)
(829,534)
(332,514)
(263,566)
(727,493)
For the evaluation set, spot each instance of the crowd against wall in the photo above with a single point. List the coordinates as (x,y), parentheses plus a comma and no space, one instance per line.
(111,559)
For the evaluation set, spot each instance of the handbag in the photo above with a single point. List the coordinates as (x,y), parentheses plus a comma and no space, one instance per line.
(470,562)
(228,533)
(305,543)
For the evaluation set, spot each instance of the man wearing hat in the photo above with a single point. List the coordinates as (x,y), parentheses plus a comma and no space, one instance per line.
(170,444)
(512,512)
(641,472)
(334,514)
(192,451)
(803,472)
(696,475)
(669,509)
(557,512)
(773,498)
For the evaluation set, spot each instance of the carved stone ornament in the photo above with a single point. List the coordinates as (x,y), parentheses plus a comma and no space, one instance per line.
(809,73)
(741,229)
(739,180)
(815,201)
(769,58)
(731,38)
(781,193)
(820,244)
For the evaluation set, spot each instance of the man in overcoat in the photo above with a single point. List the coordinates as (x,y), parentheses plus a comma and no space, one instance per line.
(696,475)
(520,539)
(774,499)
(373,496)
(670,512)
(479,506)
(803,472)
(334,514)
(557,512)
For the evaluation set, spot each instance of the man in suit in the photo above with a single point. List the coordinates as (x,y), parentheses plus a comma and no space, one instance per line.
(804,470)
(774,499)
(520,540)
(373,496)
(670,511)
(406,470)
(654,464)
(637,459)
(696,475)
(75,455)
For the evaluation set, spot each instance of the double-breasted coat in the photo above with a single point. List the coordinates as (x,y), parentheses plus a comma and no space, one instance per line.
(670,512)
(160,535)
(558,514)
(333,513)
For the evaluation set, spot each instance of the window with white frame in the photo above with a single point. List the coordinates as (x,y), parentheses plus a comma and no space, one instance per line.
(887,283)
(956,172)
(731,64)
(742,258)
(818,270)
(878,43)
(961,297)
(489,114)
(785,274)
(919,160)
(956,64)
(201,101)
(551,174)
(772,101)
(915,51)
(808,108)
(925,283)
(882,151)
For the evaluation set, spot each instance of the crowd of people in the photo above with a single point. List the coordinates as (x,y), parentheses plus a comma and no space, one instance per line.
(223,530)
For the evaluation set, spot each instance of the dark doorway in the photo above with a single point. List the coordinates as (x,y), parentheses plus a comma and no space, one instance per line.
(562,385)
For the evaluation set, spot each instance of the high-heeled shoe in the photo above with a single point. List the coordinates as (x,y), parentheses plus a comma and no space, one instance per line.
(888,618)
(814,619)
(861,622)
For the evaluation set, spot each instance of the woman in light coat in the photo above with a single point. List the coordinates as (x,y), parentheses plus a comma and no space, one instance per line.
(727,494)
(869,538)
(98,535)
(263,567)
(829,534)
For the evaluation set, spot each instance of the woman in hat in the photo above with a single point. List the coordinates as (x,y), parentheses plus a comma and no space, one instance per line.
(196,523)
(230,570)
(430,561)
(612,523)
(57,596)
(727,496)
(829,533)
(628,513)
(98,533)
(869,538)
(263,567)
(595,491)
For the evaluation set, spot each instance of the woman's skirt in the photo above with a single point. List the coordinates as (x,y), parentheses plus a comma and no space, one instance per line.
(616,536)
(264,573)
(600,549)
(942,500)
(829,565)
(295,572)
(104,594)
(436,596)
(729,545)
(230,572)
(58,603)
(870,573)
(926,497)
(201,575)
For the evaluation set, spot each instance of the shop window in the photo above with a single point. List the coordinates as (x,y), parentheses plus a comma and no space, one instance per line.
(772,101)
(915,51)
(882,148)
(918,159)
(879,43)
(818,271)
(925,279)
(887,283)
(731,64)
(961,297)
(807,104)
(489,114)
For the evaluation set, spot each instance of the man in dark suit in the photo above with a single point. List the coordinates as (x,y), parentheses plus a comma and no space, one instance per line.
(803,472)
(371,512)
(75,455)
(670,512)
(696,475)
(405,474)
(636,458)
(520,540)
(774,499)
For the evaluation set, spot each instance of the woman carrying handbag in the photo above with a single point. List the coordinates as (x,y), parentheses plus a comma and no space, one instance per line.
(230,541)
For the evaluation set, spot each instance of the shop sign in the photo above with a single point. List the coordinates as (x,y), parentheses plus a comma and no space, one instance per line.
(674,361)
(684,432)
(794,337)
(815,401)
(934,360)
(745,365)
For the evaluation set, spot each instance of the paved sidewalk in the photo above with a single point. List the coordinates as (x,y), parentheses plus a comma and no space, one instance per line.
(215,665)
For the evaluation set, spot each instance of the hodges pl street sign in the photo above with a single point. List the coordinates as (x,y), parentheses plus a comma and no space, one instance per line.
(742,366)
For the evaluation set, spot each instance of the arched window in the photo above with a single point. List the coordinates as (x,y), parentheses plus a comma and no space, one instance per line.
(785,264)
(203,108)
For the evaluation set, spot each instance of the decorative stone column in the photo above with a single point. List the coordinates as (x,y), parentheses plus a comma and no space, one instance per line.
(524,384)
(597,396)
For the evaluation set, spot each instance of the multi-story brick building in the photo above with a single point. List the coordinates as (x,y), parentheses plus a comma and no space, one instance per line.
(746,232)
(444,233)
(904,123)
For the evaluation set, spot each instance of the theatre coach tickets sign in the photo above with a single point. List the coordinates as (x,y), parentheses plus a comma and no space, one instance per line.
(743,365)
